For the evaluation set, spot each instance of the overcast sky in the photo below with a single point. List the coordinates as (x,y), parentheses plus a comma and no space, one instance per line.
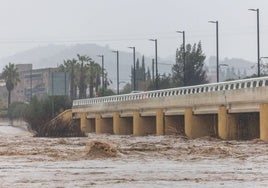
(121,23)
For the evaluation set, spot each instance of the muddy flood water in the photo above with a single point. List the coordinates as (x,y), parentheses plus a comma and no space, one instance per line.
(128,161)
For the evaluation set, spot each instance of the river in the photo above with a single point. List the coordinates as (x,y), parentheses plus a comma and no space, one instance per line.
(128,161)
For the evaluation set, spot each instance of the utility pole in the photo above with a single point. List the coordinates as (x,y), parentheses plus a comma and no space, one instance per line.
(117,69)
(217,47)
(134,67)
(156,65)
(184,56)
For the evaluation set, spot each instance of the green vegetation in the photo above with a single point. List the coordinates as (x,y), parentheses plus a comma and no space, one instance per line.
(193,73)
(39,112)
(71,66)
(17,110)
(85,74)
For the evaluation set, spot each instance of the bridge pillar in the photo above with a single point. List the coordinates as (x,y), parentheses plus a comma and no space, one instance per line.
(226,124)
(143,125)
(103,125)
(237,125)
(160,122)
(198,125)
(174,124)
(122,125)
(264,122)
(87,125)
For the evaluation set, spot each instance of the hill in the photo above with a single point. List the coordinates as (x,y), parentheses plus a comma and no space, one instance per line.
(53,56)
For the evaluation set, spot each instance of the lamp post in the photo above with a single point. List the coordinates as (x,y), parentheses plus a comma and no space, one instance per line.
(258,40)
(153,70)
(217,48)
(117,69)
(134,67)
(102,69)
(184,60)
(156,64)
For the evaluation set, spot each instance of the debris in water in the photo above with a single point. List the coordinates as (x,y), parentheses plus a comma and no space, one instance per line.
(100,149)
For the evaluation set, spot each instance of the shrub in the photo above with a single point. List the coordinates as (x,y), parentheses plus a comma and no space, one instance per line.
(41,111)
(17,110)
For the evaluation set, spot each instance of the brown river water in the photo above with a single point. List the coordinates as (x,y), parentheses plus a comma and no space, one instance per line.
(128,161)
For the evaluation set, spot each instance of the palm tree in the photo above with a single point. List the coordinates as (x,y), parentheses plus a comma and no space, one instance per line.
(71,66)
(11,76)
(82,85)
(94,77)
(84,73)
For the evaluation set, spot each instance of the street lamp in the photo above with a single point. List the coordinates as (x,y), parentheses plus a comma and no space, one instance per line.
(217,47)
(184,61)
(134,67)
(156,66)
(117,66)
(258,40)
(153,70)
(102,69)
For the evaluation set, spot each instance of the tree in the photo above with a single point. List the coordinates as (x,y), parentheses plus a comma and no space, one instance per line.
(11,76)
(82,85)
(94,75)
(39,113)
(71,66)
(17,110)
(193,73)
(140,74)
(126,89)
(84,73)
(165,81)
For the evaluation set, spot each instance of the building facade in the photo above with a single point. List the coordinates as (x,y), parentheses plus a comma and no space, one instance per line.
(36,82)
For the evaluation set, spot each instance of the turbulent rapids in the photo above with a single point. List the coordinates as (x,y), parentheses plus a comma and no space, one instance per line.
(120,161)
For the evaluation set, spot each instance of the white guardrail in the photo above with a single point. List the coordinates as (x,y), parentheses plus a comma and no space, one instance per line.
(221,86)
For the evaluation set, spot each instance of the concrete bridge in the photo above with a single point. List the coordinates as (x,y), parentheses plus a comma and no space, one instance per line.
(229,110)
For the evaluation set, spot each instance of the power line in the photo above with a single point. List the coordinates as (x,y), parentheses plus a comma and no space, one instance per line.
(162,35)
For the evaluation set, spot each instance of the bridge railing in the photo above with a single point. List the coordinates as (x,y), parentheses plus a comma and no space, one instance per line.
(221,86)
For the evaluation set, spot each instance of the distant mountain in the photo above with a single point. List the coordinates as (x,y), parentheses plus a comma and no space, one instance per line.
(237,63)
(53,56)
(230,68)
